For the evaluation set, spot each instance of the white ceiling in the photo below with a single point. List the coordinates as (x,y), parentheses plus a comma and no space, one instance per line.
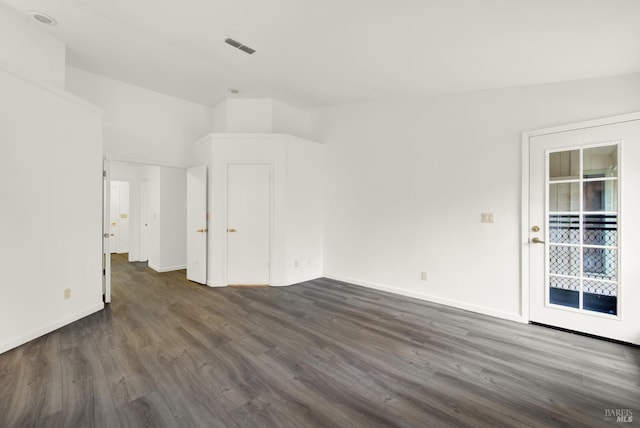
(313,53)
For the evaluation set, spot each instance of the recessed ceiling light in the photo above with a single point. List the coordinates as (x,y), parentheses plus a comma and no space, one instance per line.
(42,17)
(234,91)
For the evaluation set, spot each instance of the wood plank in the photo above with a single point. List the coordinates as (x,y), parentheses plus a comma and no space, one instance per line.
(322,353)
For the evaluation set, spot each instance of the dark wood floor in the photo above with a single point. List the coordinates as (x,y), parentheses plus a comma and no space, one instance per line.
(167,352)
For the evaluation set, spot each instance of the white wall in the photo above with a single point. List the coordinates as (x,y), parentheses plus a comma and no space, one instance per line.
(407,181)
(297,196)
(289,120)
(142,125)
(219,117)
(51,228)
(167,228)
(29,50)
(303,234)
(249,115)
(259,116)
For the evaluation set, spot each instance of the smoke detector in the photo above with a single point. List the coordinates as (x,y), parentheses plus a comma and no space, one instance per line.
(42,18)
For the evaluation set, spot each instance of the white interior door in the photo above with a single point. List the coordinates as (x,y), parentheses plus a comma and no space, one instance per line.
(583,231)
(106,232)
(197,224)
(113,218)
(248,223)
(124,203)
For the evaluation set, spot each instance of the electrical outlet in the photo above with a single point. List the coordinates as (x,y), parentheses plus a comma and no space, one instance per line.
(67,293)
(423,276)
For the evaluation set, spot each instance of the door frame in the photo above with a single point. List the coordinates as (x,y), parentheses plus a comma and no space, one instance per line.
(106,228)
(525,269)
(272,189)
(205,219)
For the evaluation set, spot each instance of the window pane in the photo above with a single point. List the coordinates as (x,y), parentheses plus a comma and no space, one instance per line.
(564,229)
(564,291)
(600,162)
(564,165)
(601,296)
(601,229)
(601,195)
(564,260)
(564,197)
(600,263)
(603,288)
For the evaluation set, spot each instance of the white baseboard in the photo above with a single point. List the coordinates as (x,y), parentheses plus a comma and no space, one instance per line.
(166,269)
(14,343)
(272,284)
(434,299)
(293,282)
(215,284)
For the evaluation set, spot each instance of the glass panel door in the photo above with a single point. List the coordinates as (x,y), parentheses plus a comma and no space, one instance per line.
(582,223)
(580,249)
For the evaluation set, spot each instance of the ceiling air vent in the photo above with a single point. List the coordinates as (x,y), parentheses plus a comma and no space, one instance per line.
(247,49)
(239,45)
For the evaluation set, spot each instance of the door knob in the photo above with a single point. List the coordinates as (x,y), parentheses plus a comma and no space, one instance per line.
(201,230)
(231,230)
(536,240)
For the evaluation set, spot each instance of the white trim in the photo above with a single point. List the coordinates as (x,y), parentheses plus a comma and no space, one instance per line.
(294,282)
(4,347)
(215,284)
(434,299)
(49,87)
(167,269)
(283,283)
(629,117)
(524,230)
(146,162)
(106,228)
(524,225)
(620,292)
(252,136)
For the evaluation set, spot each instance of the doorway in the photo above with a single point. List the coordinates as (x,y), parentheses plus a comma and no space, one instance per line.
(579,228)
(151,200)
(248,224)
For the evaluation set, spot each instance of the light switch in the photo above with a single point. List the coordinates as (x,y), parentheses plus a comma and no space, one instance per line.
(487,217)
